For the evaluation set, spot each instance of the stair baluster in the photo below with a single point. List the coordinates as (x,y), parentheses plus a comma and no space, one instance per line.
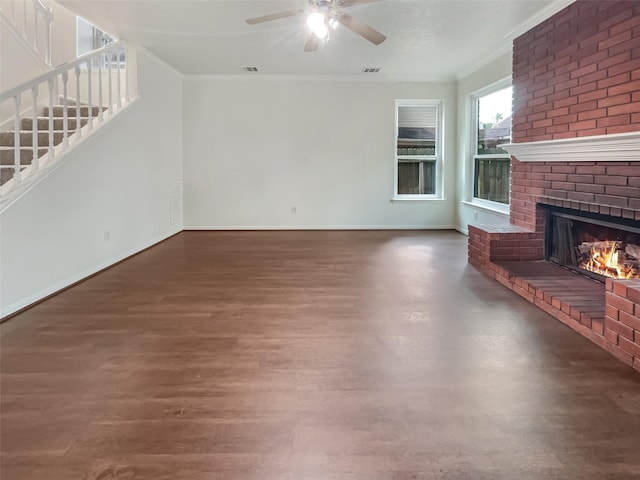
(50,120)
(118,80)
(31,33)
(65,110)
(16,140)
(89,99)
(47,50)
(109,69)
(100,115)
(78,110)
(51,85)
(126,82)
(36,42)
(34,128)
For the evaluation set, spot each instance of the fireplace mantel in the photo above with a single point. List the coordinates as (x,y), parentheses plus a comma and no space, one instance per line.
(619,147)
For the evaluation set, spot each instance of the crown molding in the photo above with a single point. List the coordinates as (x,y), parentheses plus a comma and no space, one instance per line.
(159,60)
(503,50)
(323,78)
(619,147)
(534,20)
(538,17)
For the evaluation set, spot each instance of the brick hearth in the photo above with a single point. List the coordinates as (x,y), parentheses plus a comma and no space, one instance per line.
(575,75)
(576,301)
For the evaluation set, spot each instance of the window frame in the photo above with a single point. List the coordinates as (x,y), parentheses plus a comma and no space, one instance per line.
(436,158)
(99,39)
(473,151)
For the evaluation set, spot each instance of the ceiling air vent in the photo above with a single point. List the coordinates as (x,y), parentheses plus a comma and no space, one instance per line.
(249,69)
(370,70)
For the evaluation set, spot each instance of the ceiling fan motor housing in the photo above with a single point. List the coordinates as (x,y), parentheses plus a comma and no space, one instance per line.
(327,14)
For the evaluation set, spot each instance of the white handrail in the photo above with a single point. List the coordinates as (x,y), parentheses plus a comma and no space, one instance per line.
(22,11)
(47,142)
(115,47)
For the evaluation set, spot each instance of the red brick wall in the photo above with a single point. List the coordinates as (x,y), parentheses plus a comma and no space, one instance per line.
(577,74)
(609,188)
(500,243)
(622,321)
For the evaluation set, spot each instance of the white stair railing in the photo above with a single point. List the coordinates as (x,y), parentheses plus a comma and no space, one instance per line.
(32,19)
(75,85)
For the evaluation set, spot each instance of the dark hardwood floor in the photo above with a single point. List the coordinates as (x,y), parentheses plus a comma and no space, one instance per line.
(308,355)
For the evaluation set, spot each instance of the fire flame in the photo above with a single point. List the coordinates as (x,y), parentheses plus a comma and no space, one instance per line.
(604,261)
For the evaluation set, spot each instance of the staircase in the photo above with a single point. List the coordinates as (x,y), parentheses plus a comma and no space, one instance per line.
(42,131)
(55,111)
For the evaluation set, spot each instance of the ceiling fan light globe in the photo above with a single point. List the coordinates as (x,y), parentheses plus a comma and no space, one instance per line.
(322,32)
(317,24)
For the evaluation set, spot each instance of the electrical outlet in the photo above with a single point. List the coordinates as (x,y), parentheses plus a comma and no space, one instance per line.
(107,235)
(475,215)
(294,210)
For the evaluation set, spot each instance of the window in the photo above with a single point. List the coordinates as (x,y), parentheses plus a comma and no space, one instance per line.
(491,163)
(418,148)
(91,38)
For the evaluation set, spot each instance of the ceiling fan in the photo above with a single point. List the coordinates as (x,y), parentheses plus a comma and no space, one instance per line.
(324,16)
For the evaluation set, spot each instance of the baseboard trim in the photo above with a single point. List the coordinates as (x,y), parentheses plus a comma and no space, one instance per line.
(319,227)
(18,307)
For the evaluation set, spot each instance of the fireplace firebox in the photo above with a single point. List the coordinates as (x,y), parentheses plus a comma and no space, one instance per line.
(591,244)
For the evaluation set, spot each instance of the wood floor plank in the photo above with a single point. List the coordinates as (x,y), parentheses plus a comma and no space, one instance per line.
(308,355)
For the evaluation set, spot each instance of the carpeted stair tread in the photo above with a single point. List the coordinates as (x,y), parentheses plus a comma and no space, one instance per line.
(72,111)
(43,121)
(70,101)
(6,174)
(58,123)
(26,155)
(7,139)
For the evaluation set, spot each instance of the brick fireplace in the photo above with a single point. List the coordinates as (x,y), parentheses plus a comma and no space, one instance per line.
(576,145)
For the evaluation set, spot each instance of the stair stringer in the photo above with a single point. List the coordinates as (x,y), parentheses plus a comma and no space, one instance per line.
(114,196)
(11,191)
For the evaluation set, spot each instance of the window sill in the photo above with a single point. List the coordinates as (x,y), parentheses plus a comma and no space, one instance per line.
(492,207)
(416,198)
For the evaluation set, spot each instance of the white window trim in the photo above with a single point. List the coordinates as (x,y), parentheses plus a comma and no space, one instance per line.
(495,207)
(475,96)
(437,157)
(95,46)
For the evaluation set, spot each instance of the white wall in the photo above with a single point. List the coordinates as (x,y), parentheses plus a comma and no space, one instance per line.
(493,72)
(18,63)
(117,181)
(63,34)
(255,147)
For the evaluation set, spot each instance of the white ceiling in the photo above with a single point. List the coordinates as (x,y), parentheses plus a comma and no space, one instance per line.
(429,39)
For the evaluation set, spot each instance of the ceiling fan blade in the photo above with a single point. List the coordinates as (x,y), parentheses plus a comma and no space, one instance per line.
(311,45)
(351,3)
(273,16)
(362,29)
